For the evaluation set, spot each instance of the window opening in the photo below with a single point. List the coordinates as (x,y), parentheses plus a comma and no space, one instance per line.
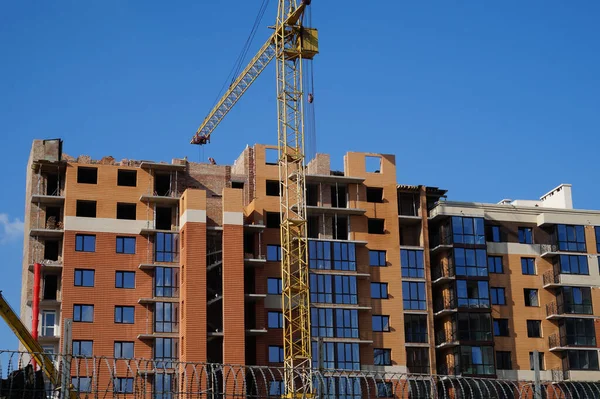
(375,194)
(86,209)
(127,178)
(126,211)
(372,164)
(87,175)
(162,184)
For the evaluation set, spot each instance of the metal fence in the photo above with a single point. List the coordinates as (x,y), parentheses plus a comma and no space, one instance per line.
(101,377)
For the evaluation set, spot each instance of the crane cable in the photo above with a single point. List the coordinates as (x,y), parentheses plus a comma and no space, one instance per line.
(309,89)
(237,66)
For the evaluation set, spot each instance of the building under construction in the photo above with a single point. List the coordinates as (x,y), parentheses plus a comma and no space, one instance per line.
(181,261)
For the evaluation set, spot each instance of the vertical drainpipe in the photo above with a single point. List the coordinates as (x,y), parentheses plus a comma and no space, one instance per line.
(37,271)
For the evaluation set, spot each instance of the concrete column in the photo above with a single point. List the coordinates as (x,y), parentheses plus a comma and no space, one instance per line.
(427,261)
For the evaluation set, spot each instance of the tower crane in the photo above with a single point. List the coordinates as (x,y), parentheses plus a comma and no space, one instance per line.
(290,44)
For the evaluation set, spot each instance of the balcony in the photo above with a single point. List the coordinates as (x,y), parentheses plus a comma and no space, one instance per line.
(170,198)
(445,339)
(55,266)
(441,243)
(252,260)
(548,251)
(53,228)
(329,210)
(254,297)
(561,342)
(444,306)
(556,311)
(552,279)
(443,273)
(43,199)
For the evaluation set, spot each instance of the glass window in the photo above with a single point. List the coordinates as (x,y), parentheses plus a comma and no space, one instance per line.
(83,313)
(412,263)
(495,264)
(474,326)
(379,290)
(85,242)
(84,278)
(575,300)
(276,388)
(574,264)
(582,360)
(577,332)
(332,255)
(413,295)
(493,234)
(123,385)
(501,328)
(467,230)
(165,282)
(276,354)
(417,360)
(346,323)
(166,247)
(531,297)
(48,323)
(498,295)
(541,357)
(415,328)
(477,360)
(382,357)
(165,317)
(346,290)
(126,245)
(83,348)
(326,288)
(340,323)
(597,228)
(274,286)
(570,238)
(321,322)
(124,314)
(124,350)
(341,388)
(473,294)
(470,262)
(377,258)
(321,288)
(525,235)
(82,384)
(274,253)
(385,389)
(381,323)
(347,356)
(325,354)
(275,320)
(503,360)
(165,352)
(528,265)
(125,279)
(164,386)
(534,328)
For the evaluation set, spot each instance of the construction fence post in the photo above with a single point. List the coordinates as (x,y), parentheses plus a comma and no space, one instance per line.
(536,372)
(66,359)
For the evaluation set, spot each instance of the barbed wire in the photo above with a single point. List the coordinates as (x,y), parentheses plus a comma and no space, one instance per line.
(103,377)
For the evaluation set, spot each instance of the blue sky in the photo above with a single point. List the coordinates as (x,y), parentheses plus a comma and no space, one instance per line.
(489,100)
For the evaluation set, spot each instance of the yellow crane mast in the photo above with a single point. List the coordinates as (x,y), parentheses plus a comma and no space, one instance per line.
(290,44)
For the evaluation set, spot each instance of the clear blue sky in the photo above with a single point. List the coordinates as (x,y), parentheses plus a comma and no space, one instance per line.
(489,100)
